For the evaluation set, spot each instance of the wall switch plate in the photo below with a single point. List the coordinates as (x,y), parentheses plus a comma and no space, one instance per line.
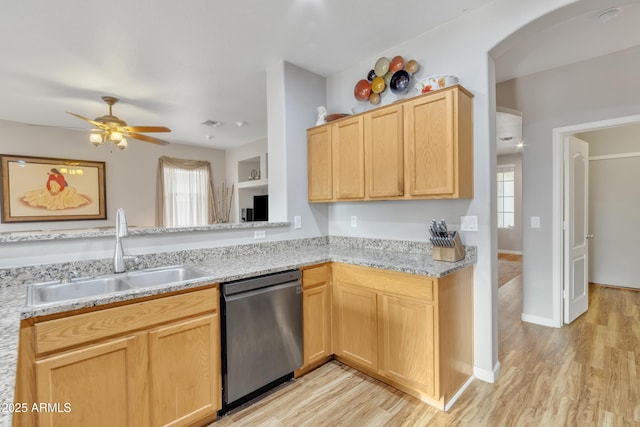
(297,222)
(469,223)
(259,234)
(535,222)
(354,221)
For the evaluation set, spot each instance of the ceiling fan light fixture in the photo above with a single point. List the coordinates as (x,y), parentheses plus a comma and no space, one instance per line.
(122,144)
(96,138)
(115,136)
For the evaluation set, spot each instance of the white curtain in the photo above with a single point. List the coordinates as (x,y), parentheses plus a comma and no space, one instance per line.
(185,193)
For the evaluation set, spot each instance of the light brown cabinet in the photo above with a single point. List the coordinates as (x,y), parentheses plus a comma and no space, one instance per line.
(97,383)
(319,164)
(413,332)
(316,317)
(184,367)
(439,145)
(149,363)
(347,144)
(384,152)
(420,148)
(356,326)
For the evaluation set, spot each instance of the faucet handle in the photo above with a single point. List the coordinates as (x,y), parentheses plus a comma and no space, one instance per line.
(121,223)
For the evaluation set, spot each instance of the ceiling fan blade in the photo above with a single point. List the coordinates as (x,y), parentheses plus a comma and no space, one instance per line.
(147,138)
(93,122)
(146,129)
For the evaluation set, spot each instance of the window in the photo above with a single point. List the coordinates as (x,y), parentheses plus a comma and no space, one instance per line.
(184,193)
(506,196)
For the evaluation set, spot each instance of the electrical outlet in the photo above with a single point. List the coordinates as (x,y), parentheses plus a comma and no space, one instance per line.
(535,222)
(297,222)
(354,221)
(259,234)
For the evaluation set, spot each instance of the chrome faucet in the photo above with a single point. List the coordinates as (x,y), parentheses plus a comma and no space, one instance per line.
(121,231)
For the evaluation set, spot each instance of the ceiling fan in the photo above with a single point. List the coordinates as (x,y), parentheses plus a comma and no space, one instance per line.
(112,129)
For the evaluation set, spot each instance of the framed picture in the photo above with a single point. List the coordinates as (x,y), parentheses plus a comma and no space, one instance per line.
(47,189)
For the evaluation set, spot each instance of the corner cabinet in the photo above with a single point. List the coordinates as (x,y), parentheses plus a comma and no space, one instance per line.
(149,363)
(420,148)
(412,332)
(439,145)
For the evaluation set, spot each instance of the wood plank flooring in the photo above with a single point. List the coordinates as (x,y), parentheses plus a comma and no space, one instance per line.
(585,374)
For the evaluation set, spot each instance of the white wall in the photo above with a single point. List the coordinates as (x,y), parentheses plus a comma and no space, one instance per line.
(293,96)
(613,206)
(460,48)
(130,174)
(589,91)
(510,239)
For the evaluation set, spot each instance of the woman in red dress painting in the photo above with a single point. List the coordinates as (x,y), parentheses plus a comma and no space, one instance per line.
(58,195)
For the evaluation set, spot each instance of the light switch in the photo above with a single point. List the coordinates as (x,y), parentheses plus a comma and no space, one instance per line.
(469,223)
(297,222)
(535,222)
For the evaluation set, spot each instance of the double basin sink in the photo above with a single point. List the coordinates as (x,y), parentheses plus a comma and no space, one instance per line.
(55,292)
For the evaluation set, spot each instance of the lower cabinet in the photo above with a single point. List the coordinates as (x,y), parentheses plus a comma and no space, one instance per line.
(98,385)
(413,332)
(408,343)
(184,366)
(356,331)
(316,317)
(150,363)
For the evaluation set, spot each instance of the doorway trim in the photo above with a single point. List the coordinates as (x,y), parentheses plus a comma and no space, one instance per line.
(559,135)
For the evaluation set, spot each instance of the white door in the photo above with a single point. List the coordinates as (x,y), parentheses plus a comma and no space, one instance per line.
(576,232)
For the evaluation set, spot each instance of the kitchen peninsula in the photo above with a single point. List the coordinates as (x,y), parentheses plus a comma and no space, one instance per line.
(223,264)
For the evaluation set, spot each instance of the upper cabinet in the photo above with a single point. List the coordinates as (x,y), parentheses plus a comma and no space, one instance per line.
(421,148)
(384,152)
(319,164)
(347,142)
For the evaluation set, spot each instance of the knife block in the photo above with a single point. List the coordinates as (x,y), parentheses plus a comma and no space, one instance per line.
(456,253)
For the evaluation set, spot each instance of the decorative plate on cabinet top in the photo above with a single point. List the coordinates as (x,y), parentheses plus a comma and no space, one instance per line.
(335,116)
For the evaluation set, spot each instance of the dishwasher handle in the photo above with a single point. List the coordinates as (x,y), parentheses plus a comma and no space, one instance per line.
(246,285)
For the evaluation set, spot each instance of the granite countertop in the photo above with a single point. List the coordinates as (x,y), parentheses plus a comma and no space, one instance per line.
(222,266)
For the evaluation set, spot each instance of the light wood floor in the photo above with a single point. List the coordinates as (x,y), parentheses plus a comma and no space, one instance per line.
(585,374)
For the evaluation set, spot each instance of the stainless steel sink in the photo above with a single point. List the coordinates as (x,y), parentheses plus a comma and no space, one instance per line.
(164,275)
(51,292)
(54,292)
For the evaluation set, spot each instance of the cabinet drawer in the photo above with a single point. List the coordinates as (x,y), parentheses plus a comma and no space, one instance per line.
(389,282)
(74,330)
(315,276)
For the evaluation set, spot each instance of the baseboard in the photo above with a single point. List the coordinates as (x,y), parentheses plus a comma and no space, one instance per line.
(456,396)
(500,251)
(537,320)
(487,375)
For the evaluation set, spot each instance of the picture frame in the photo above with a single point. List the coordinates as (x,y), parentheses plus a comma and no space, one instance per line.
(51,189)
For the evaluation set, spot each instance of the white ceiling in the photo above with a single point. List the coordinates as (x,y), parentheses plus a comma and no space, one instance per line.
(179,63)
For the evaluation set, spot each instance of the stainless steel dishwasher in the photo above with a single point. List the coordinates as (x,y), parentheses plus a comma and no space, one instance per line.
(261,335)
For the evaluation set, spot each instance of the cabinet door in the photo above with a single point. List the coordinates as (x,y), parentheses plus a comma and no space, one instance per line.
(409,344)
(184,363)
(319,168)
(316,319)
(98,385)
(347,141)
(384,152)
(356,326)
(430,156)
